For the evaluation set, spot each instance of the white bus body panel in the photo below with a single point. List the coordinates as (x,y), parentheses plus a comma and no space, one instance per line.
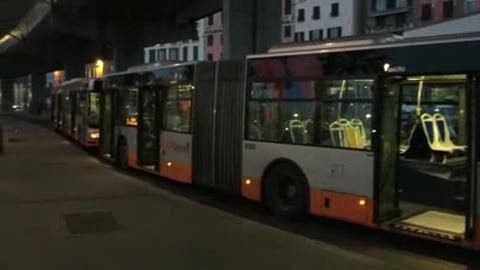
(176,156)
(339,170)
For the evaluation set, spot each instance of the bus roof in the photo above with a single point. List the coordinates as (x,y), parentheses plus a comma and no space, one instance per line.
(150,67)
(75,81)
(363,43)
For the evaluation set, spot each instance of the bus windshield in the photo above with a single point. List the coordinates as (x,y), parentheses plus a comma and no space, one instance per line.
(94,113)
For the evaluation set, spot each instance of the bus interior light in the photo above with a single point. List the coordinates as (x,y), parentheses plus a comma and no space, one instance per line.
(386,67)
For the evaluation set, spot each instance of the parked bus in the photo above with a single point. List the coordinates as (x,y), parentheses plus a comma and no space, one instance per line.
(380,131)
(76,110)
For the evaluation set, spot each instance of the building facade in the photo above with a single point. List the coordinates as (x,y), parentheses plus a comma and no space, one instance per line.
(208,45)
(389,16)
(306,20)
(190,50)
(213,37)
(433,11)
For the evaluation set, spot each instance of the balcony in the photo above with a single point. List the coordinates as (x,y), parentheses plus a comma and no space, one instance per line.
(389,28)
(381,8)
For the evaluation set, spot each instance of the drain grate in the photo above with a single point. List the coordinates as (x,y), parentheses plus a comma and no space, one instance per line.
(91,223)
(16,140)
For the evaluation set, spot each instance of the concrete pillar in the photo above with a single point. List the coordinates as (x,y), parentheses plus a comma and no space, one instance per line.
(268,24)
(40,94)
(7,95)
(238,28)
(251,26)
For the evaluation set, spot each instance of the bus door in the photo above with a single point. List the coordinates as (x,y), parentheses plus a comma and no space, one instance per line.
(425,165)
(73,111)
(107,123)
(386,147)
(148,129)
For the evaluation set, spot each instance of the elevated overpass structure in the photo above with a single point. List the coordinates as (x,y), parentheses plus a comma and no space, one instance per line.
(40,36)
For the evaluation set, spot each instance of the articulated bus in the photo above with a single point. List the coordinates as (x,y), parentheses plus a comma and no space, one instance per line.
(378,131)
(76,110)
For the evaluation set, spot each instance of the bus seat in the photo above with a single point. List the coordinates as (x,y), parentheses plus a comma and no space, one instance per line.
(360,133)
(309,126)
(431,131)
(444,134)
(297,131)
(338,135)
(254,132)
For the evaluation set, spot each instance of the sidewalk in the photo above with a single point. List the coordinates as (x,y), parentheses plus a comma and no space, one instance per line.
(63,209)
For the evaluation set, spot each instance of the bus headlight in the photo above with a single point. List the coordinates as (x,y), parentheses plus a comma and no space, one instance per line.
(94,135)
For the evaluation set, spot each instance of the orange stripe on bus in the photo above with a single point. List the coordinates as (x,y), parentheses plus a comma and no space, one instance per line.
(176,171)
(476,235)
(132,159)
(251,189)
(348,207)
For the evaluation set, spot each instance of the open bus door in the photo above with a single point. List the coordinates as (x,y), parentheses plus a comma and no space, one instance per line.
(148,128)
(107,123)
(425,159)
(73,114)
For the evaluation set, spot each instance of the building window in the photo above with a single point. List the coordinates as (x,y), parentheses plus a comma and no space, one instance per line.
(210,57)
(316,34)
(151,56)
(470,6)
(426,12)
(381,21)
(402,4)
(316,13)
(210,20)
(379,5)
(334,32)
(195,53)
(162,54)
(173,53)
(210,40)
(400,19)
(287,9)
(185,53)
(301,15)
(447,9)
(299,36)
(335,10)
(287,31)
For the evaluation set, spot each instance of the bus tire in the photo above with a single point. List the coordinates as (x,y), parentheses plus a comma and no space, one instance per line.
(122,154)
(286,191)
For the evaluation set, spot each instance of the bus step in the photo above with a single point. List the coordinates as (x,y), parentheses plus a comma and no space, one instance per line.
(427,231)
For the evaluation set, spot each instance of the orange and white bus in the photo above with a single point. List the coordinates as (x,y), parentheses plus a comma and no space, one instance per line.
(76,110)
(377,131)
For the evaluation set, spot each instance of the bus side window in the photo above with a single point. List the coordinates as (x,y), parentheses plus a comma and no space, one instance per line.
(346,113)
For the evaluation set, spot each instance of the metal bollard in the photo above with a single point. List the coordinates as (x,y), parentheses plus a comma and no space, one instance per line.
(1,139)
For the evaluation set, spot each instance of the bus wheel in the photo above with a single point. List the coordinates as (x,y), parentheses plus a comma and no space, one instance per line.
(286,191)
(122,154)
